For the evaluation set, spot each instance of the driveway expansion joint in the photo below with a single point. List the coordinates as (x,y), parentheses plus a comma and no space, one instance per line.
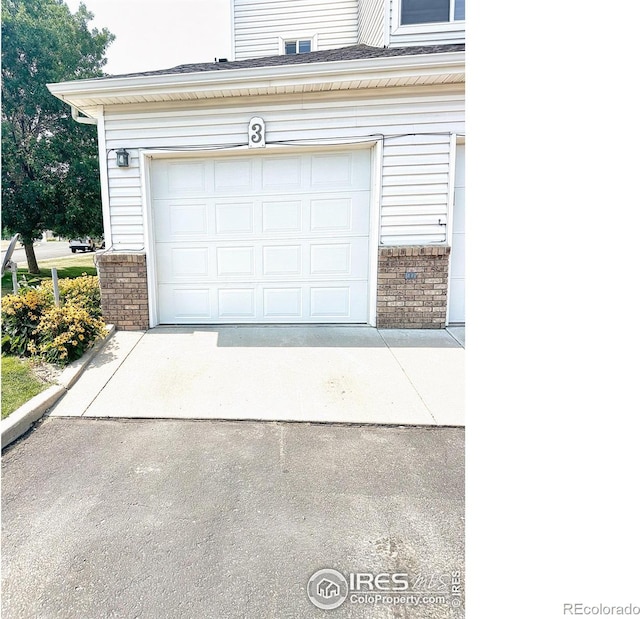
(435,421)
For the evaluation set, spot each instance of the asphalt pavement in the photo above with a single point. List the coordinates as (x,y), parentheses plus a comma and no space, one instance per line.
(189,519)
(43,251)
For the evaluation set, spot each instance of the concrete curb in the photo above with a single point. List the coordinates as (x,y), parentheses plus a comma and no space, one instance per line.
(73,371)
(21,420)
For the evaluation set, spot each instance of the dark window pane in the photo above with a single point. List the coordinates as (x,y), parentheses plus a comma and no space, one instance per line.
(290,47)
(459,10)
(424,11)
(304,46)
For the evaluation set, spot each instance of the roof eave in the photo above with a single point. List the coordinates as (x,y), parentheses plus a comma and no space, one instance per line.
(344,75)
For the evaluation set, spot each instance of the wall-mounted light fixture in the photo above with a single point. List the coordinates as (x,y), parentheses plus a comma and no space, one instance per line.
(122,158)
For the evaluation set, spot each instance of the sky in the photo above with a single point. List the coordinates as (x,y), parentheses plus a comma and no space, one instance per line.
(159,34)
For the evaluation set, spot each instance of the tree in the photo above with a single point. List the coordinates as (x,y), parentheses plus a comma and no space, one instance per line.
(50,177)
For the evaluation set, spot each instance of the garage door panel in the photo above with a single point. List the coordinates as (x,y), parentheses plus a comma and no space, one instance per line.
(235,262)
(330,259)
(282,216)
(233,176)
(343,170)
(186,262)
(334,170)
(279,303)
(179,263)
(332,301)
(347,259)
(187,219)
(340,214)
(182,178)
(237,303)
(234,218)
(277,239)
(185,178)
(278,260)
(182,219)
(282,173)
(282,303)
(331,214)
(337,303)
(185,304)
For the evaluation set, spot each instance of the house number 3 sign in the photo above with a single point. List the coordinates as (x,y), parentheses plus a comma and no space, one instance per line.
(257,130)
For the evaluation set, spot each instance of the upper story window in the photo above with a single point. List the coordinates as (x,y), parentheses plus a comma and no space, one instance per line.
(299,46)
(431,11)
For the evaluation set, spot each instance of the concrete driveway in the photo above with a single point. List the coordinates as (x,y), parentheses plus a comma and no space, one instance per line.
(178,519)
(317,374)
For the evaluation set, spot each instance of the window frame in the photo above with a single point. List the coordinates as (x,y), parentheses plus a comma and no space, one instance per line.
(426,27)
(312,38)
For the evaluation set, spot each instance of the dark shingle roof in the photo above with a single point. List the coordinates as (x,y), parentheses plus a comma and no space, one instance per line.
(355,52)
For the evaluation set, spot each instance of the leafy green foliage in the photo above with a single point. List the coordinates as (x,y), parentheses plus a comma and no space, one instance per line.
(65,332)
(34,326)
(21,315)
(83,292)
(50,177)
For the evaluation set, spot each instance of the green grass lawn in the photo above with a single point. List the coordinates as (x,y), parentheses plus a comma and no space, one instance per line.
(19,384)
(73,266)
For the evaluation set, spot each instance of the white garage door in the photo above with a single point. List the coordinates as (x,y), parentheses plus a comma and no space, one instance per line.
(262,239)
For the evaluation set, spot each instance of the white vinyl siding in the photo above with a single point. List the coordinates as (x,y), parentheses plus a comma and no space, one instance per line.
(422,34)
(371,22)
(457,261)
(259,26)
(125,199)
(415,181)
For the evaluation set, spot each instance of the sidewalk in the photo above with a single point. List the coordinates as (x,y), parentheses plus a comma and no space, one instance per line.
(309,374)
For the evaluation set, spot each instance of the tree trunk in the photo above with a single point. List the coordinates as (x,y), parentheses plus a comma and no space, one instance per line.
(31,259)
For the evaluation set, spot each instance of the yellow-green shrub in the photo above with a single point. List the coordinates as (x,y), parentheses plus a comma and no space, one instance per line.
(33,325)
(82,291)
(65,332)
(21,314)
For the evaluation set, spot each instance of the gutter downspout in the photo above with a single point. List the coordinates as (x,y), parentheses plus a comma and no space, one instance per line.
(102,164)
(84,120)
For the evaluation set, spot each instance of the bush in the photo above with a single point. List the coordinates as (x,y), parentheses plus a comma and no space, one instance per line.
(33,325)
(21,314)
(81,291)
(65,332)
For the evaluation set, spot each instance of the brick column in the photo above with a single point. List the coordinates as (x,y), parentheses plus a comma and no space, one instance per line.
(123,289)
(412,287)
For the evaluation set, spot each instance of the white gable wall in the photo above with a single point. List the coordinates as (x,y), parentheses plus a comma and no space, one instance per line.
(371,22)
(259,25)
(416,124)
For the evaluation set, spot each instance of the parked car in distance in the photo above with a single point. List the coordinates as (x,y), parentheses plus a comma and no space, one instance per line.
(82,244)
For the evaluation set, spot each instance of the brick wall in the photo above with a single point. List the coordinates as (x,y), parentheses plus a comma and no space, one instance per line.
(123,288)
(414,303)
(418,303)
